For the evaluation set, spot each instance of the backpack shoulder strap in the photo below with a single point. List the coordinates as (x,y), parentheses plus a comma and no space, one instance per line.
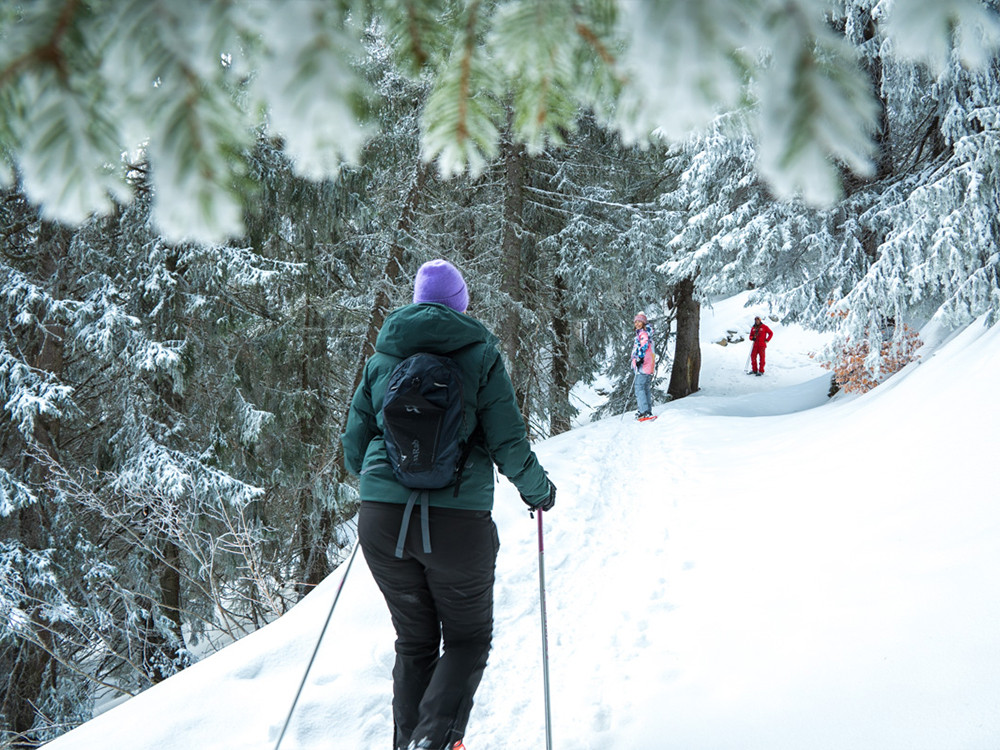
(476,434)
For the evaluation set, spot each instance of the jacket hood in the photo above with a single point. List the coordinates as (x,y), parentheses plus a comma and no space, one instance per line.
(429,327)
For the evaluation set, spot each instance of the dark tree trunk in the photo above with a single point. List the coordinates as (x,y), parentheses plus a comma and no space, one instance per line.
(560,364)
(393,266)
(511,268)
(316,565)
(170,605)
(875,70)
(687,351)
(315,530)
(27,664)
(380,308)
(164,650)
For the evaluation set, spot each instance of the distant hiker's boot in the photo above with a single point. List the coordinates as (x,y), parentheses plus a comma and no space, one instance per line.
(758,374)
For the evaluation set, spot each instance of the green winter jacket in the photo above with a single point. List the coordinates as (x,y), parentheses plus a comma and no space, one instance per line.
(489,400)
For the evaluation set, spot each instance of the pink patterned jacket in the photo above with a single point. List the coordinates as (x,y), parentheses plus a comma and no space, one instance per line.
(642,352)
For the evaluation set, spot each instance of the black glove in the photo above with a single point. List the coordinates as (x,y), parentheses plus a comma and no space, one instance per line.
(547,503)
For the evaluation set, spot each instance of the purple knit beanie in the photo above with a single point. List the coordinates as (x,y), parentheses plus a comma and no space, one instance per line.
(439,281)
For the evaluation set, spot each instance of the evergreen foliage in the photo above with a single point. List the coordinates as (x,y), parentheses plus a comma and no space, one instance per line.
(188,84)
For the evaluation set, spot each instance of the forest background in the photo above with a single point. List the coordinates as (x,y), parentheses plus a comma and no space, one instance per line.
(207,209)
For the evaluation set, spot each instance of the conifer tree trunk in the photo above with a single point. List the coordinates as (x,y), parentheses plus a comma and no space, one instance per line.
(380,308)
(393,266)
(170,602)
(561,385)
(165,649)
(874,67)
(687,352)
(511,268)
(315,529)
(23,686)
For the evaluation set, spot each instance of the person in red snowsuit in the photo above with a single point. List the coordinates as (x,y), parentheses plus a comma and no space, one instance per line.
(760,334)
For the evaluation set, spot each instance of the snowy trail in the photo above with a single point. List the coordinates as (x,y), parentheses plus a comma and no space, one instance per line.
(760,568)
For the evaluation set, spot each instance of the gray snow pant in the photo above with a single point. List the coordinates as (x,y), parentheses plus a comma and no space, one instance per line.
(445,595)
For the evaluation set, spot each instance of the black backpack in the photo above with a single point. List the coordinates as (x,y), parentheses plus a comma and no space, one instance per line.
(423,416)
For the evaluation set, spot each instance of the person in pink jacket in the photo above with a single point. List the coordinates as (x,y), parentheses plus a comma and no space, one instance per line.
(643,364)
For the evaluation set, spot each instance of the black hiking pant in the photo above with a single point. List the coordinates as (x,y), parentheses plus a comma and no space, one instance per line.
(442,596)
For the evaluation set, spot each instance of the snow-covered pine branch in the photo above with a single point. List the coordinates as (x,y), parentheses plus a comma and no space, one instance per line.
(189,83)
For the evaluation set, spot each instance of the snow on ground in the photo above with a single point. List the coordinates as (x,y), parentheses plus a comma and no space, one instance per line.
(761,567)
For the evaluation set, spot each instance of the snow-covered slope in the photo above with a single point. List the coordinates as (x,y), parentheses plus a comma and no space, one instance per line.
(761,567)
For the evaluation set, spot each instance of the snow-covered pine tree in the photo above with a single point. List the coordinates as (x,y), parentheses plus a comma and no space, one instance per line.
(32,527)
(920,238)
(149,501)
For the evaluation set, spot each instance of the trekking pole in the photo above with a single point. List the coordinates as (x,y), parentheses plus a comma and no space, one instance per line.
(340,588)
(628,396)
(545,634)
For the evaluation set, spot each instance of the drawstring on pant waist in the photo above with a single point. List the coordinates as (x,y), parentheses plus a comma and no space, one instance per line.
(424,497)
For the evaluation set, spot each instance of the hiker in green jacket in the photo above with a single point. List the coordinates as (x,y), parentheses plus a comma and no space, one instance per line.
(440,586)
